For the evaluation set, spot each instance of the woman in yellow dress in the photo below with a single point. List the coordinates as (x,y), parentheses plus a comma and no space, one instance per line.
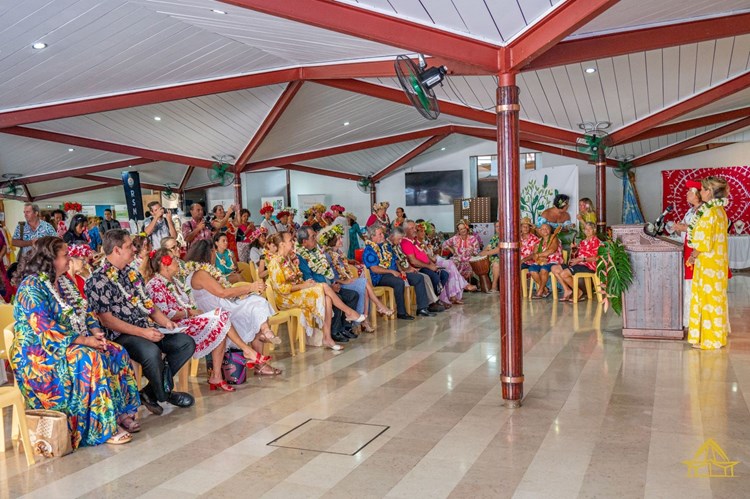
(707,235)
(314,298)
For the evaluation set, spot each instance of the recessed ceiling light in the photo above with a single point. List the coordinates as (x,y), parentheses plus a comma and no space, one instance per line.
(157,118)
(591,70)
(70,149)
(442,148)
(346,123)
(217,11)
(39,45)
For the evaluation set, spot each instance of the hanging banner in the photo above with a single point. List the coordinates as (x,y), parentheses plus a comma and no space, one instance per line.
(539,187)
(738,178)
(132,183)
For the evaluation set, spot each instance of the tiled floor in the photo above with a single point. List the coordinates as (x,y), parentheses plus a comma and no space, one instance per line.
(602,417)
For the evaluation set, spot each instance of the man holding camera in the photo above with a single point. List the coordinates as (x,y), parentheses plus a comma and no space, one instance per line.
(197,228)
(159,225)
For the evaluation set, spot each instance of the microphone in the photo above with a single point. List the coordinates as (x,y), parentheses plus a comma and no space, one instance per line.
(664,214)
(656,228)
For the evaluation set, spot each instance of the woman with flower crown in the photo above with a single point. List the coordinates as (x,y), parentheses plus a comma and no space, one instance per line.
(248,310)
(707,236)
(210,330)
(60,357)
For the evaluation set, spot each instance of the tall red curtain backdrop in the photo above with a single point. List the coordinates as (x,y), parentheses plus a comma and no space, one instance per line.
(738,177)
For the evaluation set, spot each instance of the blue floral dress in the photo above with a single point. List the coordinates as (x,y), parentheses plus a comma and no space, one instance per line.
(93,388)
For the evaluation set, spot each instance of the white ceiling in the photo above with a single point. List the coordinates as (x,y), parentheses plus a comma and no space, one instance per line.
(103,47)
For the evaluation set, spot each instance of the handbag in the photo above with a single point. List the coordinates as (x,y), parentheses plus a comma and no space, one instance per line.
(48,431)
(233,366)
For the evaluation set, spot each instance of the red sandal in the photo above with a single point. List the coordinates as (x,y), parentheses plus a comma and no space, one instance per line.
(221,386)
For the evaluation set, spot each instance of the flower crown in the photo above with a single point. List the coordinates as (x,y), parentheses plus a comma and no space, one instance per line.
(329,234)
(80,251)
(328,215)
(319,207)
(338,207)
(256,234)
(380,206)
(426,226)
(308,213)
(282,214)
(266,209)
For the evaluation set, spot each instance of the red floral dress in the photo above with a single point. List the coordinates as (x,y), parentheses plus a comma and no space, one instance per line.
(528,246)
(208,329)
(588,248)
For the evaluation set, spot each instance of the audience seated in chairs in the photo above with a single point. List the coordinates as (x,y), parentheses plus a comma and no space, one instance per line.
(380,258)
(316,300)
(314,265)
(453,291)
(210,330)
(585,261)
(463,247)
(332,241)
(402,262)
(117,295)
(60,357)
(248,310)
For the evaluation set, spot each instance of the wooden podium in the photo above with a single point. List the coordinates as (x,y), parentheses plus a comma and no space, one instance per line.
(652,307)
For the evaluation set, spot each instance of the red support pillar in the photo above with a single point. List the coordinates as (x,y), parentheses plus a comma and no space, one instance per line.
(237,195)
(508,193)
(288,188)
(373,194)
(601,193)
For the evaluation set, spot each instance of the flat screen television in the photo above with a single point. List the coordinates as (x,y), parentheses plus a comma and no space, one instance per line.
(431,188)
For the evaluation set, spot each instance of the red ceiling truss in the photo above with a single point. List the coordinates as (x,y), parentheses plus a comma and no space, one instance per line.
(540,46)
(407,157)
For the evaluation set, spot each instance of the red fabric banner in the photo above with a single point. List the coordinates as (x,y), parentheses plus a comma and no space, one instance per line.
(738,177)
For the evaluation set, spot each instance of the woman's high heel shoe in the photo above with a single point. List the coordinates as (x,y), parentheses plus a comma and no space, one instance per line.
(270,338)
(258,358)
(221,386)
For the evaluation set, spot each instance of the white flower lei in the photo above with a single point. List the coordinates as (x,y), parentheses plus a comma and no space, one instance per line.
(173,288)
(698,214)
(77,313)
(212,270)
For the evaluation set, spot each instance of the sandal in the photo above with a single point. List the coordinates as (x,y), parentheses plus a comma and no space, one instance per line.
(265,337)
(367,328)
(546,293)
(385,311)
(470,288)
(335,347)
(221,386)
(122,437)
(129,424)
(357,320)
(259,370)
(257,359)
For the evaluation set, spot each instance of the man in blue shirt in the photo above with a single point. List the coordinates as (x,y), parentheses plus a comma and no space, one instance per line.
(314,265)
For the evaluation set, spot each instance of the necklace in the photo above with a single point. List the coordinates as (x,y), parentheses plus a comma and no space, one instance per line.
(75,314)
(698,214)
(139,299)
(383,253)
(178,292)
(207,267)
(316,260)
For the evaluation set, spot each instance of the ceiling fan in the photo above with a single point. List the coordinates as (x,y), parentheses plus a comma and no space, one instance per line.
(418,82)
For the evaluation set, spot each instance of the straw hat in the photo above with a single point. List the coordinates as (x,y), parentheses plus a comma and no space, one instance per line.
(526,221)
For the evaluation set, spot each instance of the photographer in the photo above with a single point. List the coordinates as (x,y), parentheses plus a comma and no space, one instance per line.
(197,228)
(159,225)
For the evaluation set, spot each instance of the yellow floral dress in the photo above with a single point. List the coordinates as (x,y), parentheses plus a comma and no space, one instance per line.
(709,320)
(282,275)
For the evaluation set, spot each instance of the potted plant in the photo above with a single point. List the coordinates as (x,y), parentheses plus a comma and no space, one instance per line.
(615,273)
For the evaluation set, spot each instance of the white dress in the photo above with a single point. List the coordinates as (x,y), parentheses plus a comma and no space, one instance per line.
(246,314)
(270,226)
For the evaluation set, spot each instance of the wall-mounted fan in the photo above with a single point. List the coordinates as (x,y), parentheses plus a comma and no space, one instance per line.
(221,171)
(418,81)
(365,185)
(168,193)
(624,166)
(595,139)
(9,186)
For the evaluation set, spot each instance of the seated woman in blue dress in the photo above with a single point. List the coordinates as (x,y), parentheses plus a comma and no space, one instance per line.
(223,259)
(60,357)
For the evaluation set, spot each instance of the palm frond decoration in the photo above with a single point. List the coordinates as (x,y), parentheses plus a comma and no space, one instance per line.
(615,273)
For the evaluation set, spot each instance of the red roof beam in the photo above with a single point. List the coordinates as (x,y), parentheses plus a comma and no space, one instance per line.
(407,157)
(641,40)
(681,108)
(105,146)
(381,28)
(186,178)
(270,120)
(83,170)
(326,173)
(548,31)
(560,151)
(347,148)
(692,124)
(704,137)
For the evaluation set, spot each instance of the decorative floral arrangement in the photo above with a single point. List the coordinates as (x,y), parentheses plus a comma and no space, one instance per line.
(316,260)
(292,211)
(207,267)
(138,299)
(75,314)
(383,253)
(80,251)
(73,207)
(338,208)
(329,234)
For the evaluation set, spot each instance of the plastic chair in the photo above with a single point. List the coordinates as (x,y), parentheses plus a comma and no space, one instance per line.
(292,317)
(553,280)
(525,282)
(253,271)
(384,293)
(245,271)
(11,396)
(588,278)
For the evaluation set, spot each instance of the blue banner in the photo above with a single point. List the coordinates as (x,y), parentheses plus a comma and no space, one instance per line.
(132,183)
